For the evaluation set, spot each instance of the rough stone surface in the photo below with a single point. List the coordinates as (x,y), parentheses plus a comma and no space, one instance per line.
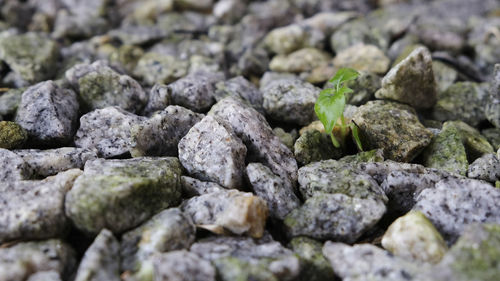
(444,75)
(101,260)
(12,135)
(156,68)
(493,137)
(160,96)
(107,131)
(411,81)
(486,167)
(313,146)
(288,138)
(160,134)
(182,266)
(475,144)
(286,39)
(211,151)
(45,276)
(48,113)
(194,187)
(242,88)
(315,267)
(363,58)
(299,61)
(392,127)
(13,167)
(9,101)
(120,194)
(492,108)
(364,87)
(196,90)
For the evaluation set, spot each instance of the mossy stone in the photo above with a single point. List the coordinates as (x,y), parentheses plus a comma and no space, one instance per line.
(235,269)
(313,146)
(315,266)
(12,135)
(475,144)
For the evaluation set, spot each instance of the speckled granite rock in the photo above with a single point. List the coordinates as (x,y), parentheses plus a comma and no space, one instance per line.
(363,58)
(100,86)
(182,266)
(120,194)
(486,167)
(242,88)
(20,261)
(35,209)
(154,68)
(211,151)
(271,76)
(166,231)
(453,204)
(45,276)
(160,134)
(355,32)
(286,39)
(194,187)
(278,194)
(368,156)
(447,152)
(299,61)
(492,108)
(107,131)
(334,216)
(413,237)
(12,135)
(9,101)
(262,144)
(238,212)
(13,167)
(393,127)
(493,137)
(411,81)
(101,260)
(315,266)
(160,96)
(132,34)
(475,144)
(32,56)
(313,146)
(81,20)
(290,100)
(288,138)
(48,113)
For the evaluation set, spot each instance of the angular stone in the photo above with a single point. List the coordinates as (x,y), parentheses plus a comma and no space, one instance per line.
(290,101)
(334,216)
(182,265)
(369,156)
(81,20)
(196,90)
(12,135)
(107,131)
(493,137)
(48,113)
(160,134)
(413,237)
(154,68)
(363,58)
(286,39)
(121,194)
(288,138)
(194,187)
(486,167)
(299,61)
(355,32)
(313,146)
(132,34)
(35,209)
(101,260)
(492,108)
(475,144)
(444,75)
(270,77)
(238,212)
(411,81)
(364,87)
(45,276)
(393,127)
(194,4)
(32,56)
(242,88)
(315,267)
(278,194)
(13,167)
(9,101)
(100,86)
(160,97)
(211,151)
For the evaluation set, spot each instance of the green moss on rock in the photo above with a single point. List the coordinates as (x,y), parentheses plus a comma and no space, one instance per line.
(313,146)
(475,144)
(315,266)
(12,135)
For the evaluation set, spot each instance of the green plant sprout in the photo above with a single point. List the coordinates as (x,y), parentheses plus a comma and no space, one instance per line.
(330,107)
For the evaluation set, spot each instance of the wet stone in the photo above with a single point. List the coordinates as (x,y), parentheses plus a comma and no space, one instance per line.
(363,58)
(154,68)
(12,135)
(492,108)
(14,168)
(194,187)
(315,267)
(486,167)
(299,61)
(242,88)
(121,194)
(182,266)
(196,90)
(48,113)
(313,146)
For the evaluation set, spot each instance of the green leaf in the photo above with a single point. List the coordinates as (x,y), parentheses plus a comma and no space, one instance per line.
(355,136)
(343,75)
(329,107)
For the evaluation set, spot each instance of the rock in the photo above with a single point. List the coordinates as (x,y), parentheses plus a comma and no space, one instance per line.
(493,100)
(238,212)
(160,96)
(9,101)
(107,131)
(166,231)
(461,101)
(196,90)
(22,260)
(278,194)
(45,276)
(315,266)
(126,57)
(242,88)
(32,56)
(354,32)
(493,137)
(286,39)
(211,151)
(132,34)
(182,266)
(334,216)
(393,127)
(413,237)
(313,146)
(101,260)
(363,58)
(13,167)
(375,155)
(411,81)
(299,61)
(193,4)
(291,101)
(99,86)
(229,11)
(44,163)
(486,167)
(160,134)
(12,135)
(263,146)
(48,113)
(154,68)
(270,77)
(453,204)
(444,75)
(475,144)
(35,209)
(80,20)
(193,187)
(287,138)
(447,152)
(121,194)
(364,87)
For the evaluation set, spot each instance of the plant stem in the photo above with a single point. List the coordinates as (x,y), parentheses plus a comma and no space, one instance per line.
(334,140)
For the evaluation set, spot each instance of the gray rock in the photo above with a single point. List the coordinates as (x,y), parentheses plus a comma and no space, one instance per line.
(334,216)
(35,209)
(101,260)
(263,146)
(493,137)
(9,101)
(160,96)
(196,90)
(363,57)
(315,267)
(160,134)
(100,86)
(299,61)
(81,19)
(493,101)
(45,276)
(242,88)
(107,131)
(270,77)
(194,187)
(182,266)
(364,87)
(166,231)
(211,151)
(355,32)
(290,101)
(486,47)
(121,194)
(486,167)
(444,75)
(48,113)
(138,34)
(453,204)
(313,146)
(13,167)
(154,68)
(238,212)
(288,138)
(411,81)
(286,39)
(278,194)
